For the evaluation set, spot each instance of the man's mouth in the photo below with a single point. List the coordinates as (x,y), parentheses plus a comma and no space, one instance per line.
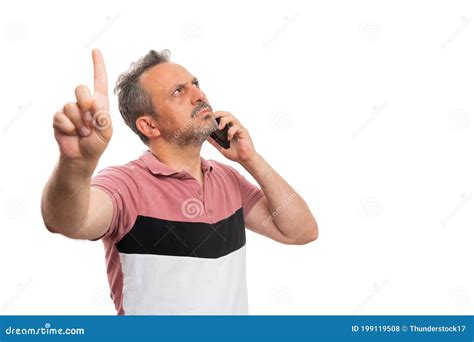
(201,109)
(203,112)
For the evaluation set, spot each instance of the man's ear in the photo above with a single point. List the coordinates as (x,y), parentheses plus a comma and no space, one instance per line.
(147,126)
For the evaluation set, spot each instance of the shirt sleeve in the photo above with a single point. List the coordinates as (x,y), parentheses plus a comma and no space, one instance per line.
(119,184)
(249,192)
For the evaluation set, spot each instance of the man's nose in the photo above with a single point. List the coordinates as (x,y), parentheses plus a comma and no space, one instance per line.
(197,96)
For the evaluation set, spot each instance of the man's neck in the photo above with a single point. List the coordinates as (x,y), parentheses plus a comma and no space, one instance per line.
(180,158)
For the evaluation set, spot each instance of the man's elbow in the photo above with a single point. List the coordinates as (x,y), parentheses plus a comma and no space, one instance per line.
(47,222)
(52,228)
(313,235)
(49,228)
(310,235)
(71,233)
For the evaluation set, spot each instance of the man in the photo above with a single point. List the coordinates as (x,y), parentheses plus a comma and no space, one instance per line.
(172,223)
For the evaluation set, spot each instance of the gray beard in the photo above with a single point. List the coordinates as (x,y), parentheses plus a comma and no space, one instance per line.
(191,134)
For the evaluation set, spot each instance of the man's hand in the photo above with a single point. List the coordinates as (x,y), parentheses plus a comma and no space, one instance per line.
(296,224)
(241,146)
(83,128)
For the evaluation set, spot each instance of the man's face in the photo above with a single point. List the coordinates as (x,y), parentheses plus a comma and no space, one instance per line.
(184,114)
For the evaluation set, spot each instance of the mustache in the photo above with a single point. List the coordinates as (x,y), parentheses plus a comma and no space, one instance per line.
(199,107)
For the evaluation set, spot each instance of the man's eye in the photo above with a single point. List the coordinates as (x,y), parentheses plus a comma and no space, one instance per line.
(177,91)
(196,83)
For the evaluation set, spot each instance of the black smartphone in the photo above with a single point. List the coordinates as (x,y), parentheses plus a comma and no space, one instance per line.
(221,135)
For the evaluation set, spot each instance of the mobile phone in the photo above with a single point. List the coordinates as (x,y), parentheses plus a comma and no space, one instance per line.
(220,136)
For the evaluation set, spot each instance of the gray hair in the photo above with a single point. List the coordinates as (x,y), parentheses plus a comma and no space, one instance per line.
(133,100)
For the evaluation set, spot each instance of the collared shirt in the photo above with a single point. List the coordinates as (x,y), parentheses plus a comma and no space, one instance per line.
(173,247)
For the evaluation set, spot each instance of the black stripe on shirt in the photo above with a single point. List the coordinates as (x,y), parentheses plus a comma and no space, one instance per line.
(151,235)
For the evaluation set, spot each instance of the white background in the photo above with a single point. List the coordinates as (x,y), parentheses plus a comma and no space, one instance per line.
(365,108)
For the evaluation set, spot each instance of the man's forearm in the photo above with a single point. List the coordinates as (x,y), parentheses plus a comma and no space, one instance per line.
(289,211)
(65,199)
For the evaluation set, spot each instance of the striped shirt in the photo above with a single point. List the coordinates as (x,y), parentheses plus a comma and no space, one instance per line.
(172,246)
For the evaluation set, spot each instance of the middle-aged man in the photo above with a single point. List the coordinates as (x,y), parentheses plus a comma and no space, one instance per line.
(172,223)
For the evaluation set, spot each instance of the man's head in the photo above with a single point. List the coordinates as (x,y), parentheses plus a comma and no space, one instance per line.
(159,99)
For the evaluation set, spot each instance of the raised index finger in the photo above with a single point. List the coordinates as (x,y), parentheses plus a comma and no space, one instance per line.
(100,75)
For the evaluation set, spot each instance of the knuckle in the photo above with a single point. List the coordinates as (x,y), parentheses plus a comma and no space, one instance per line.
(80,88)
(69,107)
(57,118)
(61,125)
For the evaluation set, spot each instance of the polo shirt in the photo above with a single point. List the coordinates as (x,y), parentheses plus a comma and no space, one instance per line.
(172,247)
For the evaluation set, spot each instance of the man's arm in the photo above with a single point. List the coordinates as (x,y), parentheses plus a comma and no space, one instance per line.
(83,130)
(71,207)
(282,214)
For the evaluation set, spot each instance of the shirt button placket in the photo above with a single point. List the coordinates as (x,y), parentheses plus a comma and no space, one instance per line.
(200,192)
(201,198)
